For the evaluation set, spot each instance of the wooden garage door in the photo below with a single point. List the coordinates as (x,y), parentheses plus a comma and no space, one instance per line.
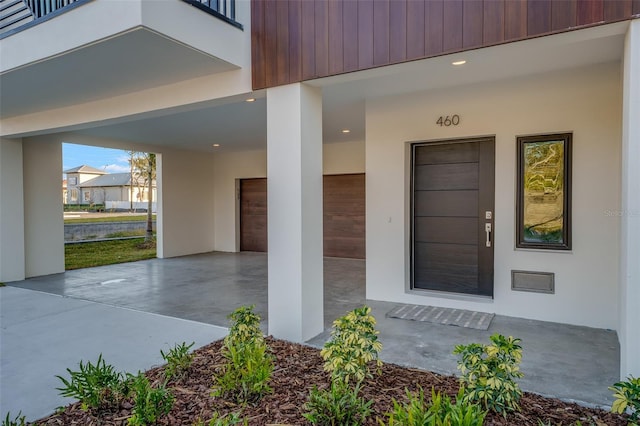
(344,215)
(253,215)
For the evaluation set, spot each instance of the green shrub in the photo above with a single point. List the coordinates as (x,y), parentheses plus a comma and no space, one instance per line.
(149,403)
(353,345)
(178,361)
(226,420)
(248,367)
(627,395)
(339,405)
(98,386)
(18,420)
(489,373)
(441,411)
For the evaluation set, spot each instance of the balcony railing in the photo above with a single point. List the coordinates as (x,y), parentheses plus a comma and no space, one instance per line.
(16,15)
(222,9)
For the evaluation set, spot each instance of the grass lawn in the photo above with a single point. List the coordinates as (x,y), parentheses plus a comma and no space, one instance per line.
(86,255)
(140,218)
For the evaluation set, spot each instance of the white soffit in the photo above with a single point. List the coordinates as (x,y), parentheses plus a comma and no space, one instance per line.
(242,126)
(132,61)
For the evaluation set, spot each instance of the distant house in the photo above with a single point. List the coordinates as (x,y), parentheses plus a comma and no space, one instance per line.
(88,185)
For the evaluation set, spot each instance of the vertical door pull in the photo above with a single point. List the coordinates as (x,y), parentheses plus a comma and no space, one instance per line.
(487,228)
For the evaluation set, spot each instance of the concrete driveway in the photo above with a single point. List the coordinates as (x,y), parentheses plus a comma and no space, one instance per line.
(99,304)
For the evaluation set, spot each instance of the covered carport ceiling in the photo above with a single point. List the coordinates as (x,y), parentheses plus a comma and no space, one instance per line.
(238,125)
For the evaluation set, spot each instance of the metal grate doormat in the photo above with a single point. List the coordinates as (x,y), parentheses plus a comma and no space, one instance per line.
(447,316)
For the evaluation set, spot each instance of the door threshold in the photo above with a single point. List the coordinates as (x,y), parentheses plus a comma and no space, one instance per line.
(449,295)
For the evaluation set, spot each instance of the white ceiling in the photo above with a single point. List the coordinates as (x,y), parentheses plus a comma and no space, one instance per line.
(131,61)
(241,125)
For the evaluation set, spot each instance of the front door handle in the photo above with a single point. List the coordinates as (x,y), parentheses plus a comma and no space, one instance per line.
(487,228)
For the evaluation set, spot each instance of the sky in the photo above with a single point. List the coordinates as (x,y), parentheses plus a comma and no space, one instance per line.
(107,159)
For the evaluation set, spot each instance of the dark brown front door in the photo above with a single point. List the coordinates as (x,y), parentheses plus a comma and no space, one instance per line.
(253,215)
(452,216)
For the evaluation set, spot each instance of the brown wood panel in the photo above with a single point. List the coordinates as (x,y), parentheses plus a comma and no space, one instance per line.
(344,215)
(308,40)
(615,10)
(515,19)
(397,31)
(380,32)
(446,230)
(322,37)
(271,40)
(253,215)
(589,12)
(415,28)
(282,41)
(258,72)
(493,21)
(295,41)
(446,153)
(365,34)
(336,51)
(438,177)
(446,203)
(563,14)
(453,24)
(350,31)
(434,33)
(538,17)
(472,23)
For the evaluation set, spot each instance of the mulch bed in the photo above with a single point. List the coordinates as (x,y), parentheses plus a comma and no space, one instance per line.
(297,369)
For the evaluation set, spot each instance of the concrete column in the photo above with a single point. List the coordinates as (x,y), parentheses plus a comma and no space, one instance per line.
(629,331)
(11,211)
(43,215)
(294,194)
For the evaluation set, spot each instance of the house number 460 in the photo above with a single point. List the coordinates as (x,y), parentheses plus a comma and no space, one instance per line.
(447,121)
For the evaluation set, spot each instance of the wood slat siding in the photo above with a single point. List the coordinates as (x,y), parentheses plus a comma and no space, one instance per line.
(297,40)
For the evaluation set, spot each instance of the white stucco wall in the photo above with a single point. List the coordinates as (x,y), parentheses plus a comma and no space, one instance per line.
(630,211)
(338,158)
(343,157)
(11,211)
(185,203)
(43,221)
(228,168)
(585,101)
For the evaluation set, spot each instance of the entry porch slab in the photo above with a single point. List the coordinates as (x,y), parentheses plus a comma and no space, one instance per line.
(560,360)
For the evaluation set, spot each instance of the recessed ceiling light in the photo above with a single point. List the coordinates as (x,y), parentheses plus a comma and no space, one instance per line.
(215,145)
(251,100)
(346,131)
(462,62)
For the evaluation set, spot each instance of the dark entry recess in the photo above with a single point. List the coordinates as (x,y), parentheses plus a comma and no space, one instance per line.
(452,216)
(343,215)
(253,215)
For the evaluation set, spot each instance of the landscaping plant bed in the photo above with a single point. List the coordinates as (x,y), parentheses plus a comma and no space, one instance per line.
(297,368)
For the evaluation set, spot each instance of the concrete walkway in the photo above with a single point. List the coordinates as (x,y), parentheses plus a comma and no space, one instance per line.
(41,335)
(569,362)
